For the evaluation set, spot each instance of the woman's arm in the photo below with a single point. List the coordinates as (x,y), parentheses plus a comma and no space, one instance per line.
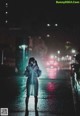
(38,71)
(26,72)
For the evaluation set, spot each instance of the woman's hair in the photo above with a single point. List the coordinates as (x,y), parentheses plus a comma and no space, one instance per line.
(36,63)
(32,59)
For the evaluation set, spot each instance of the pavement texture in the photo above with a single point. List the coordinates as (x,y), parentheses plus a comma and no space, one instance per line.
(55,96)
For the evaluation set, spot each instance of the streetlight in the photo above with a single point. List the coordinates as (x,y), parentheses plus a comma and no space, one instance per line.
(73,51)
(48,25)
(58,52)
(56,25)
(48,35)
(23,47)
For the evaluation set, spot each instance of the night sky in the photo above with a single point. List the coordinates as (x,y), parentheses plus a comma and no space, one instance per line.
(34,15)
(43,11)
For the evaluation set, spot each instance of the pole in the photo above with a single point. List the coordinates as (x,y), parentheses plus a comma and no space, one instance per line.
(2,61)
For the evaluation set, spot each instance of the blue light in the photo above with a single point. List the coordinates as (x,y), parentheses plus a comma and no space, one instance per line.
(23,47)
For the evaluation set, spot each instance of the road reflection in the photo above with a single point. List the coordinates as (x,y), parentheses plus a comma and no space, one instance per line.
(52,73)
(27,113)
(50,87)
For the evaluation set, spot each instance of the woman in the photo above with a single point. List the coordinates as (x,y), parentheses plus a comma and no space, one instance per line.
(32,72)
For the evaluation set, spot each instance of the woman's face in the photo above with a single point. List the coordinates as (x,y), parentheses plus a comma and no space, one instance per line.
(33,63)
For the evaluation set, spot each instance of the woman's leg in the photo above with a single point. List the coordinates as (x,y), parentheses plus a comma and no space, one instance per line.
(36,94)
(27,99)
(27,94)
(36,101)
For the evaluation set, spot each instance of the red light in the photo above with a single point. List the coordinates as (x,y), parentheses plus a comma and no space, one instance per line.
(50,87)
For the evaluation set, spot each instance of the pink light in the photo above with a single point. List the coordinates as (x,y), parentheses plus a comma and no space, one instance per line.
(50,87)
(51,56)
(55,63)
(51,62)
(52,66)
(52,73)
(47,63)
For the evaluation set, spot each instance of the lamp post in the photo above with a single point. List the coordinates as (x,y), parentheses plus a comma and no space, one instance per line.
(23,47)
(2,59)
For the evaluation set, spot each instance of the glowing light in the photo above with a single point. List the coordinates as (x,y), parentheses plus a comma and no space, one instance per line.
(48,35)
(50,87)
(67,56)
(6,4)
(48,63)
(6,12)
(70,58)
(51,56)
(56,25)
(48,25)
(58,51)
(55,63)
(51,62)
(23,60)
(23,46)
(52,66)
(55,56)
(63,58)
(6,21)
(73,51)
(52,72)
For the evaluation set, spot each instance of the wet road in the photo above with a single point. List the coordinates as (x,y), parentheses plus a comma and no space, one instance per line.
(55,96)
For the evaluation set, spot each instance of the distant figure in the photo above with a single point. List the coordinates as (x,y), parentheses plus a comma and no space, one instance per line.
(77,57)
(77,67)
(32,72)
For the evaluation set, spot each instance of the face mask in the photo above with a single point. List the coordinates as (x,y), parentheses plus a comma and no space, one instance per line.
(32,63)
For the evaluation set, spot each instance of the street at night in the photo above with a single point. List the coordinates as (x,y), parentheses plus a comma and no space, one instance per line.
(39,58)
(55,96)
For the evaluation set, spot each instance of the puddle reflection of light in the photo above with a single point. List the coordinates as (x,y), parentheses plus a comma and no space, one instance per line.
(50,87)
(52,73)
